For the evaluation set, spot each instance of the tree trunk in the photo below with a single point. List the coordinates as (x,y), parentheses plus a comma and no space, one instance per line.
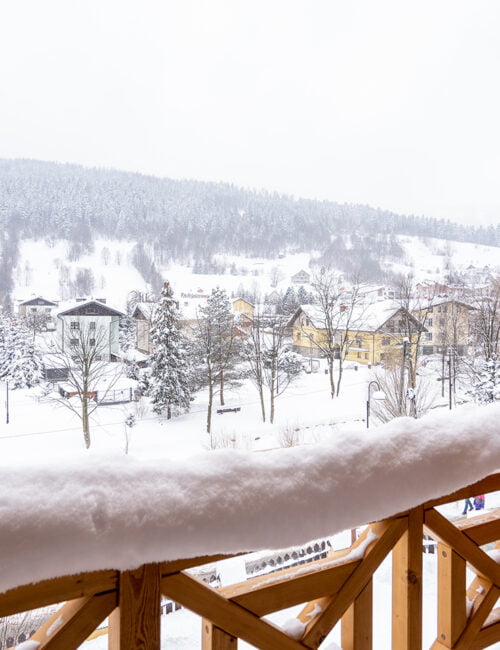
(262,404)
(339,378)
(85,420)
(222,387)
(169,412)
(209,411)
(272,391)
(330,373)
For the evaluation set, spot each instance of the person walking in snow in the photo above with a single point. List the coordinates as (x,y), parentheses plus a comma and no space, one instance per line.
(467,506)
(479,502)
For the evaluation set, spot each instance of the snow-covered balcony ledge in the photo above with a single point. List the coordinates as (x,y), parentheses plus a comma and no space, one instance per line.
(137,524)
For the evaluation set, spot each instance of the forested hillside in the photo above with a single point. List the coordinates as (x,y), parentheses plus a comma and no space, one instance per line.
(189,221)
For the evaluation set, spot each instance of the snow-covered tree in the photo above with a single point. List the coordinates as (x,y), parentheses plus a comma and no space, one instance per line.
(20,362)
(270,362)
(487,381)
(217,346)
(171,377)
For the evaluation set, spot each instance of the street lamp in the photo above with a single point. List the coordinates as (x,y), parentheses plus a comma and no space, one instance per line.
(378,394)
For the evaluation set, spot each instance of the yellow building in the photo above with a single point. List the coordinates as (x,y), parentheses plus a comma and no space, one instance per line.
(243,307)
(370,334)
(447,323)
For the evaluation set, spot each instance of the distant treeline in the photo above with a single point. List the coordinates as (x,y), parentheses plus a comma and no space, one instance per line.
(190,221)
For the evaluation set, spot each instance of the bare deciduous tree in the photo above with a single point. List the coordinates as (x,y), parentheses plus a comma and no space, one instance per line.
(82,356)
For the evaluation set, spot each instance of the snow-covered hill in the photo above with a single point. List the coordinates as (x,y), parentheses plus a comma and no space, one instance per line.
(45,269)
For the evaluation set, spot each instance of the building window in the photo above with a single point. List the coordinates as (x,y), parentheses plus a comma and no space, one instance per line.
(91,309)
(98,357)
(73,342)
(428,336)
(429,322)
(358,342)
(92,325)
(359,355)
(386,340)
(382,356)
(430,310)
(366,355)
(445,309)
(92,342)
(441,321)
(75,325)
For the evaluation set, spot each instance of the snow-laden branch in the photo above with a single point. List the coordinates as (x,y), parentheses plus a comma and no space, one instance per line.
(92,512)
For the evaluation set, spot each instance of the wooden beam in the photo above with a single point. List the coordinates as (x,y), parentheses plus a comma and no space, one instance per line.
(488,600)
(135,623)
(288,587)
(226,615)
(332,609)
(70,626)
(56,590)
(475,591)
(450,535)
(452,616)
(174,566)
(357,622)
(489,484)
(407,585)
(489,635)
(213,638)
(482,529)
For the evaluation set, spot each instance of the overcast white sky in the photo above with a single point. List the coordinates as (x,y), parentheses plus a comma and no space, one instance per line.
(388,102)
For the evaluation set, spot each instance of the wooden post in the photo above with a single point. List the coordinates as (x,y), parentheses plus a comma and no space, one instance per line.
(213,638)
(135,623)
(357,622)
(407,585)
(452,616)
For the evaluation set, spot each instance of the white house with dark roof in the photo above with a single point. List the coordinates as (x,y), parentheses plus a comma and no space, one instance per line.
(99,323)
(40,307)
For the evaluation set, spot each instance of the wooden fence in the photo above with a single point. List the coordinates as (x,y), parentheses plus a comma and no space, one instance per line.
(334,589)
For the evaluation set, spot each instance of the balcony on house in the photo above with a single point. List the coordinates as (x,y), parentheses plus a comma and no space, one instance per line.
(110,537)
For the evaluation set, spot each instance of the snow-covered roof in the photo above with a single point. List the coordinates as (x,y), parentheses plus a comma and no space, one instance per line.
(435,302)
(146,309)
(38,301)
(118,512)
(75,305)
(365,317)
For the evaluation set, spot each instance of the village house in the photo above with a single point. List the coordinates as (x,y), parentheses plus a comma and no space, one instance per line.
(302,277)
(447,323)
(143,317)
(374,332)
(40,307)
(98,322)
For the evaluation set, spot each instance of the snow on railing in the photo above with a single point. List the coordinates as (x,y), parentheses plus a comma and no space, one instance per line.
(119,513)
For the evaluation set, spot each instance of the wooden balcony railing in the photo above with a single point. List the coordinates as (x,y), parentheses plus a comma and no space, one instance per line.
(335,589)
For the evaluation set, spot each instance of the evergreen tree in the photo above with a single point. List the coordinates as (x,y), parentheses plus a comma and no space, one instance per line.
(170,378)
(487,384)
(218,347)
(20,362)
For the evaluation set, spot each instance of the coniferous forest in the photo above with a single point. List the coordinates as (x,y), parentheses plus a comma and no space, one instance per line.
(189,221)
